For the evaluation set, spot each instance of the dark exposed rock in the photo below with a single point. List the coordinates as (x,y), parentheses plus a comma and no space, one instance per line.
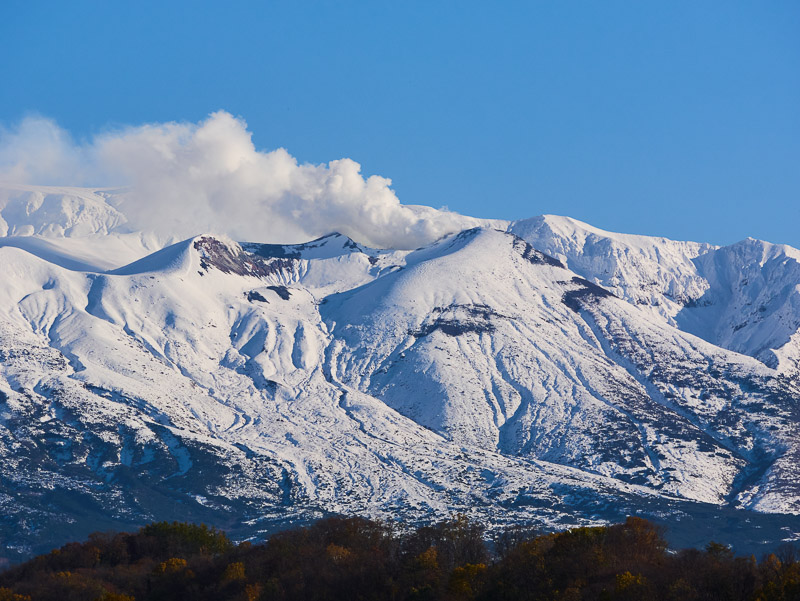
(272,251)
(698,302)
(254,295)
(456,320)
(536,257)
(352,245)
(295,251)
(214,253)
(281,291)
(587,291)
(467,234)
(454,328)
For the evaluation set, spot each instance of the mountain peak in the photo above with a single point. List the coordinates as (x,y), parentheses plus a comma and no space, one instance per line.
(57,212)
(325,247)
(477,374)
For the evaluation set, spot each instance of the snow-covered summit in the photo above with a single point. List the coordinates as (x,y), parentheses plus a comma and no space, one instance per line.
(552,372)
(52,211)
(752,304)
(743,297)
(326,247)
(654,273)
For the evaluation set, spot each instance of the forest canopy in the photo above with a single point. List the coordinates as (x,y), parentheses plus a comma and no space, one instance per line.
(360,559)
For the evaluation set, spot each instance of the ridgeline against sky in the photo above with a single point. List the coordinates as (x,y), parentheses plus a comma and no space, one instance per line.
(674,119)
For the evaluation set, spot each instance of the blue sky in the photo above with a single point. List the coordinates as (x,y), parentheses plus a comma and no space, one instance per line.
(679,119)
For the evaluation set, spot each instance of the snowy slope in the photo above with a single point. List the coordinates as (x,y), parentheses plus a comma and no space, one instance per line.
(553,372)
(77,228)
(752,305)
(490,343)
(57,211)
(656,274)
(743,297)
(198,374)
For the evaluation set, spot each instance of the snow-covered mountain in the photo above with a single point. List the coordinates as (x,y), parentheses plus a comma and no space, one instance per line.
(548,372)
(743,297)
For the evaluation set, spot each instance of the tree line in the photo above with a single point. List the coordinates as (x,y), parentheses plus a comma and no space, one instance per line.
(354,559)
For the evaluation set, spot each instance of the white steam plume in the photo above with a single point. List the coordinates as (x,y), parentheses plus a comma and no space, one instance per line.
(184,178)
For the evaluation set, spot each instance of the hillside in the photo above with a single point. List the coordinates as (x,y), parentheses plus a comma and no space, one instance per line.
(552,373)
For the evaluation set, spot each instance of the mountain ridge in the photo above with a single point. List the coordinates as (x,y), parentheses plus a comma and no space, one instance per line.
(542,373)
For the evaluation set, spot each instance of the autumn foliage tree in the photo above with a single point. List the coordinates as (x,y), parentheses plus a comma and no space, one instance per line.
(358,559)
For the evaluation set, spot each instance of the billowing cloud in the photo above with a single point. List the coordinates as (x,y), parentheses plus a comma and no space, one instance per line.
(185,178)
